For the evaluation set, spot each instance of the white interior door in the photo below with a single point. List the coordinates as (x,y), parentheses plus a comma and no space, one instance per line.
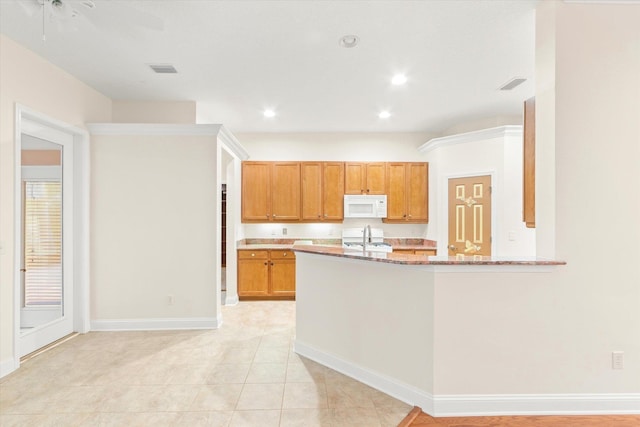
(46,227)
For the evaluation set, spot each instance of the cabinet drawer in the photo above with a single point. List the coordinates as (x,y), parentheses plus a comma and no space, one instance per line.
(248,254)
(282,254)
(428,252)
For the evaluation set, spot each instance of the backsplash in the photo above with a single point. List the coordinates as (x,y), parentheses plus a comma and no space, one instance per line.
(330,230)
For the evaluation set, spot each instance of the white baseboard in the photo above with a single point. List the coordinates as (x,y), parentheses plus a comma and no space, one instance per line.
(231,300)
(537,404)
(480,405)
(8,366)
(156,324)
(394,388)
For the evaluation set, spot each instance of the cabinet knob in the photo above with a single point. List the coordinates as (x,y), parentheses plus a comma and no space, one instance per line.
(409,215)
(318,216)
(274,215)
(404,216)
(325,215)
(265,263)
(367,190)
(271,263)
(253,254)
(284,254)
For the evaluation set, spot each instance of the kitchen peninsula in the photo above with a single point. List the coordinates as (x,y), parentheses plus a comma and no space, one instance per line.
(422,329)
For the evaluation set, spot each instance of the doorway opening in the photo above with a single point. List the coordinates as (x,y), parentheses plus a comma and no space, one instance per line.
(51,231)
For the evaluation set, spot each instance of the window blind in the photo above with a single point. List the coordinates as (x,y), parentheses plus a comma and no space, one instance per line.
(43,243)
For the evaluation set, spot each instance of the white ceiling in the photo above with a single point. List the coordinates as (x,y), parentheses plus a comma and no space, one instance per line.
(236,58)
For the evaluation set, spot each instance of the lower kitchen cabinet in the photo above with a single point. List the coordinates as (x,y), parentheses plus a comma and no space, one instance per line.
(266,274)
(427,252)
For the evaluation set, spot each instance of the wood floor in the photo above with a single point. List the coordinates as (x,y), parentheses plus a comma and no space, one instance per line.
(417,418)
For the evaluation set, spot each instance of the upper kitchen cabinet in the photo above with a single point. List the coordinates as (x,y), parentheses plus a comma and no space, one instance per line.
(365,178)
(529,164)
(407,192)
(270,191)
(322,191)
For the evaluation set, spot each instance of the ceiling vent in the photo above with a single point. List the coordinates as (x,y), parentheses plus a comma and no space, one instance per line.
(516,81)
(163,68)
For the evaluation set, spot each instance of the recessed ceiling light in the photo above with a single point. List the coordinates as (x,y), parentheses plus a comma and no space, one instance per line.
(349,40)
(384,114)
(269,113)
(399,79)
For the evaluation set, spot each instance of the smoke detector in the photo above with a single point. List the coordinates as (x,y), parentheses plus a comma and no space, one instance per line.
(349,40)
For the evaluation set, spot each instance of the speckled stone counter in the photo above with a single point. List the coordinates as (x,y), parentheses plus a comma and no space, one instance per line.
(397,258)
(396,243)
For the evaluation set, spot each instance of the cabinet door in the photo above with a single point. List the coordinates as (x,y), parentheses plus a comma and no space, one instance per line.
(285,191)
(418,192)
(354,178)
(529,165)
(283,277)
(253,277)
(311,190)
(256,191)
(396,191)
(375,179)
(333,191)
(429,252)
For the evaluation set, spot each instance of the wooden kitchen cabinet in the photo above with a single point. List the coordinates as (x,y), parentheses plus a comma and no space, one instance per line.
(529,164)
(270,191)
(322,191)
(407,192)
(253,273)
(365,178)
(283,273)
(427,252)
(266,274)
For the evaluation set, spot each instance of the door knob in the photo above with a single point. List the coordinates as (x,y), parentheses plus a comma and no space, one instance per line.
(452,248)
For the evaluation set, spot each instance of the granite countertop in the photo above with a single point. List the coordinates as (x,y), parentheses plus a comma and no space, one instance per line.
(408,259)
(396,243)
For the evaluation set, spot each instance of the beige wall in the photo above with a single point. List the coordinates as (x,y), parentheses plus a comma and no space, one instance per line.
(554,332)
(125,111)
(153,227)
(356,147)
(28,79)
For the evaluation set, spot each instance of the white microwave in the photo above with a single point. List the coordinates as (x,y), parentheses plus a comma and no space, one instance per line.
(365,206)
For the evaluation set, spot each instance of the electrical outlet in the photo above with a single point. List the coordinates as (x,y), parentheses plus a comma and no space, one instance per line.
(284,231)
(617,360)
(170,299)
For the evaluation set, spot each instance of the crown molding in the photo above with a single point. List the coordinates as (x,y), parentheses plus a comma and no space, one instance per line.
(232,143)
(478,135)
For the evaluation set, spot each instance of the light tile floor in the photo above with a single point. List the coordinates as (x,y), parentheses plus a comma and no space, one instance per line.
(243,374)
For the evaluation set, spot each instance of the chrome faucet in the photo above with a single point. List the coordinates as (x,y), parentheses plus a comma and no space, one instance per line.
(365,232)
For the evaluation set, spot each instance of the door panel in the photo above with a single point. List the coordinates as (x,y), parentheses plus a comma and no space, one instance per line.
(311,191)
(283,277)
(470,216)
(418,185)
(396,196)
(46,244)
(333,190)
(256,191)
(285,191)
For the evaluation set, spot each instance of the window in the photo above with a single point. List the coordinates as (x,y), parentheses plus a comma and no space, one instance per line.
(42,243)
